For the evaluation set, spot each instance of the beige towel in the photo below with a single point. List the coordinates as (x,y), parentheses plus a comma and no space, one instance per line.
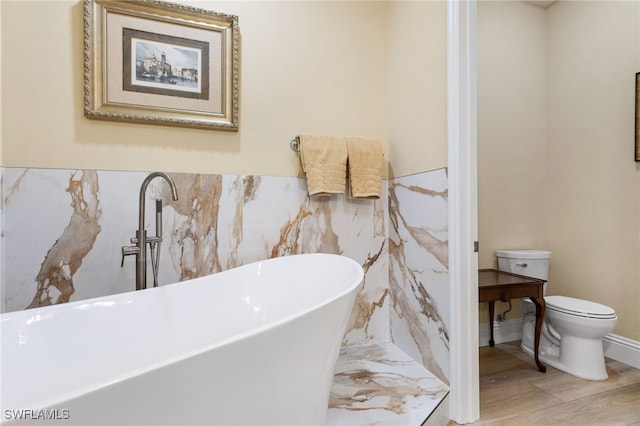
(324,160)
(365,168)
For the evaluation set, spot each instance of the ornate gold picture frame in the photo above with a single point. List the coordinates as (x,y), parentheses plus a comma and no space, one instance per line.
(148,61)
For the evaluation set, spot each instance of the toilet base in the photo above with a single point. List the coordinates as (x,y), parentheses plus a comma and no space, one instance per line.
(583,358)
(591,369)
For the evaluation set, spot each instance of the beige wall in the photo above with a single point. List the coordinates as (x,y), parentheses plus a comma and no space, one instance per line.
(594,184)
(315,67)
(417,86)
(511,131)
(572,188)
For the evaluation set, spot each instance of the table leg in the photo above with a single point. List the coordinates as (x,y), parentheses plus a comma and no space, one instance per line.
(540,308)
(492,305)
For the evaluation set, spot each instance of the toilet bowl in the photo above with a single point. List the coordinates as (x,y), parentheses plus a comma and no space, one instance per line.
(571,336)
(572,330)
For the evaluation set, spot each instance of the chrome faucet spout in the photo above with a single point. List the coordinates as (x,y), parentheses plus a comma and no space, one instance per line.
(143,192)
(141,257)
(140,249)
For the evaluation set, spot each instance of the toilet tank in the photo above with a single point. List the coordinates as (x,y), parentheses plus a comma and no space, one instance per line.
(532,263)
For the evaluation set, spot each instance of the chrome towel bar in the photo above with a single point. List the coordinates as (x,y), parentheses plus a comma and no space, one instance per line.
(295,144)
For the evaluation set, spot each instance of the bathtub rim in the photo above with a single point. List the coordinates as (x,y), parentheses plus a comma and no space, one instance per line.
(61,397)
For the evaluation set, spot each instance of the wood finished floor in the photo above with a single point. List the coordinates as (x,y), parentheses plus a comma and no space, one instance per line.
(513,392)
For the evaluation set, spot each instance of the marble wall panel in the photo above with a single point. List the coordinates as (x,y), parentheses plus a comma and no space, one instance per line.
(418,268)
(203,228)
(63,230)
(357,229)
(66,229)
(64,237)
(280,219)
(103,270)
(2,297)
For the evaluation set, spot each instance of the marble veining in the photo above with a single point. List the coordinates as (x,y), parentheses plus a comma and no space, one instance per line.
(290,235)
(418,278)
(193,232)
(335,224)
(366,304)
(380,384)
(55,277)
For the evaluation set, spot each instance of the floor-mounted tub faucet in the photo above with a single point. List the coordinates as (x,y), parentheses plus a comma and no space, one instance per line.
(141,239)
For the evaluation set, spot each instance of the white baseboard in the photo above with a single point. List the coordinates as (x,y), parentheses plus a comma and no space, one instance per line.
(505,331)
(622,349)
(616,347)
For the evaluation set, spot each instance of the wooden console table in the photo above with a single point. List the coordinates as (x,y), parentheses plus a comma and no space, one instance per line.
(497,285)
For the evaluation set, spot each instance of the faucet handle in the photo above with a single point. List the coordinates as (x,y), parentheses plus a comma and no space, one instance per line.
(127,251)
(150,240)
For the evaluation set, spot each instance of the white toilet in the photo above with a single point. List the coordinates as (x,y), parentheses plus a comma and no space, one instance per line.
(572,331)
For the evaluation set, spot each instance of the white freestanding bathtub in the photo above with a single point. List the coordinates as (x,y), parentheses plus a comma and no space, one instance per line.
(253,345)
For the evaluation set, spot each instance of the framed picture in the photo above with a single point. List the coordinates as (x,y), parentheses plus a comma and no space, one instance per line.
(148,61)
(638,116)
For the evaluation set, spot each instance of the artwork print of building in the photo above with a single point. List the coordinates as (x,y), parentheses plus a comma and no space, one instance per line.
(152,69)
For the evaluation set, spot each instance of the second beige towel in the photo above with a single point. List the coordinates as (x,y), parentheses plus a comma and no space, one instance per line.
(365,168)
(324,161)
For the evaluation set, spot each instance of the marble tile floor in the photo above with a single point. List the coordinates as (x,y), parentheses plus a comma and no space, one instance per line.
(380,384)
(513,392)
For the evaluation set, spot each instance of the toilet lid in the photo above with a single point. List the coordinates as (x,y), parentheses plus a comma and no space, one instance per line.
(579,307)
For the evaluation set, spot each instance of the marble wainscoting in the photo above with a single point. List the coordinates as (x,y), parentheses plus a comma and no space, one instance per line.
(54,239)
(418,268)
(2,281)
(404,381)
(64,230)
(284,220)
